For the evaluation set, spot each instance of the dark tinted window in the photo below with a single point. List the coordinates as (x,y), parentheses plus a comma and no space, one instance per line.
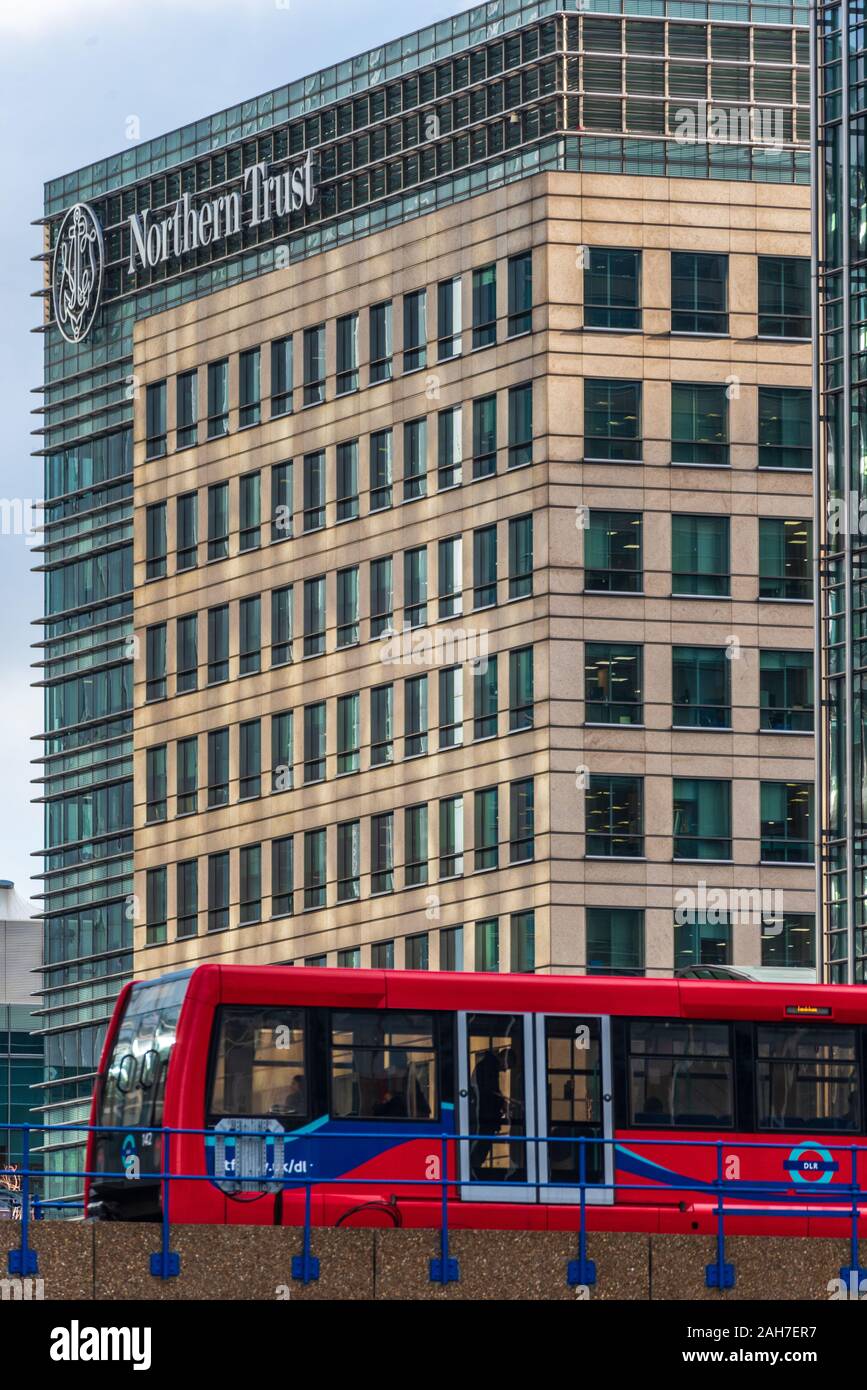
(260,1066)
(383,1066)
(807,1078)
(680,1074)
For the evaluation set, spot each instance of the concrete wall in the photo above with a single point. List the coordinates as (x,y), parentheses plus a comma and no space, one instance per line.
(87,1261)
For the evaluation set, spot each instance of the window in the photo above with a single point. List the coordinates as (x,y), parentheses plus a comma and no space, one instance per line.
(520,424)
(187,516)
(485,567)
(615,816)
(415,586)
(156,784)
(680,1075)
(790,941)
(260,1064)
(786,691)
(522,931)
(452,948)
(251,512)
(701,687)
(218,644)
(484,436)
(348,861)
(218,521)
(449,577)
(488,945)
(451,711)
(451,837)
(520,274)
(415,845)
(449,319)
(187,642)
(449,447)
(218,768)
(155,662)
(485,697)
(187,409)
(187,881)
(380,343)
(383,1066)
(314,490)
(282,374)
(382,853)
(249,394)
(699,425)
(348,733)
(414,459)
(249,758)
(282,876)
(612,420)
(807,1078)
(699,293)
(218,398)
(349,959)
(613,683)
(615,940)
(316,961)
(521,689)
(612,562)
(156,906)
(521,821)
(315,871)
(250,623)
(382,955)
(486,828)
(701,939)
(281,625)
(314,616)
(521,556)
(188,775)
(251,884)
(282,752)
(785,427)
(314,742)
(414,330)
(155,420)
(156,546)
(784,297)
(785,559)
(347,354)
(485,306)
(415,716)
(417,953)
(347,606)
(612,289)
(347,480)
(380,470)
(702,818)
(218,891)
(314,365)
(787,823)
(381,597)
(700,555)
(381,725)
(281,501)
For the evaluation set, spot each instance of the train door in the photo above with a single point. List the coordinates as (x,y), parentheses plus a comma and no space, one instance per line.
(529,1087)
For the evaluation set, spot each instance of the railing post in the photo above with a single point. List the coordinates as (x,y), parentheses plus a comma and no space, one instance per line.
(444,1269)
(165,1262)
(582,1271)
(305,1267)
(720,1275)
(853,1273)
(24,1261)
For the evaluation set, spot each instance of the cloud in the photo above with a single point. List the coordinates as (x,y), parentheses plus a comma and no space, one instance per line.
(36,18)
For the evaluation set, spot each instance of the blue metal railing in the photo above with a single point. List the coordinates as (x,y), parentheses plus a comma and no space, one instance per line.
(840,1200)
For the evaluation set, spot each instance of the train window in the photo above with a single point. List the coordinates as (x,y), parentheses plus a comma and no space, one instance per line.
(383,1066)
(260,1064)
(807,1078)
(681,1074)
(134,1085)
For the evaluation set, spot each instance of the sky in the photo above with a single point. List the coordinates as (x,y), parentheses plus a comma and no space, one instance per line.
(72,73)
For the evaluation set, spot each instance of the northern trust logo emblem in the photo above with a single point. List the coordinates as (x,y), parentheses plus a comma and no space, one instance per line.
(76,272)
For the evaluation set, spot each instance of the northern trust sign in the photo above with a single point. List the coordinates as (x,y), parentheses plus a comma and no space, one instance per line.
(79,254)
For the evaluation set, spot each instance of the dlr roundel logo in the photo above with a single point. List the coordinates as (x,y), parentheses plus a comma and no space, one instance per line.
(809,1164)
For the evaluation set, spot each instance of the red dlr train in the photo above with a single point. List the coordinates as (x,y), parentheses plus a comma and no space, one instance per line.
(346,1081)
